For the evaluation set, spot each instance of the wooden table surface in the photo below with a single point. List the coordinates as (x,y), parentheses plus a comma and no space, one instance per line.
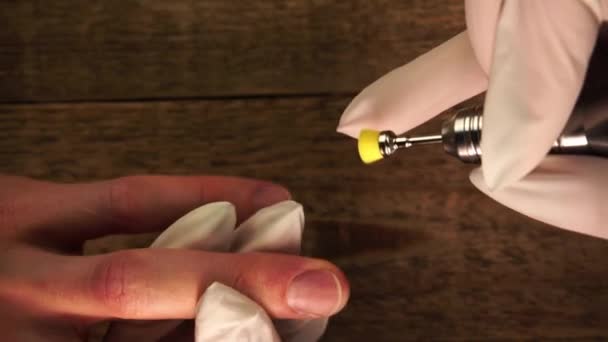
(105,88)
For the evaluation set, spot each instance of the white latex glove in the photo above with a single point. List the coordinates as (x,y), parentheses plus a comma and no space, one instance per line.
(225,314)
(531,56)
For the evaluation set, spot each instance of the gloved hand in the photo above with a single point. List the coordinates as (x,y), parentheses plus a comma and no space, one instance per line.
(531,56)
(223,313)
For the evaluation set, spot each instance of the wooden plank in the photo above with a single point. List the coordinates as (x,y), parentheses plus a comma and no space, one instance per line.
(428,256)
(119,49)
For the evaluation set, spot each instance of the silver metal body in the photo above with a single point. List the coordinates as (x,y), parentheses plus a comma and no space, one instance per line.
(586,133)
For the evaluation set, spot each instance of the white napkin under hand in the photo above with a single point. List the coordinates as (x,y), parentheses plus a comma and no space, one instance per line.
(223,313)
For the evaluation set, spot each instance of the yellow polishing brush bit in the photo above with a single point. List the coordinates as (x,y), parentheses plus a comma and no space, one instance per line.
(375,145)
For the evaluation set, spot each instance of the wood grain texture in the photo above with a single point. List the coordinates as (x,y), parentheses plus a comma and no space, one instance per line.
(125,49)
(429,257)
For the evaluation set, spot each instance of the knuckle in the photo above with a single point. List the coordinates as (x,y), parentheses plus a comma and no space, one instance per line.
(240,280)
(251,275)
(119,286)
(244,272)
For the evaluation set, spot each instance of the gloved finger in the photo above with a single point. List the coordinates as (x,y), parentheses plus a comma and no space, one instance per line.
(78,212)
(414,93)
(540,57)
(226,315)
(570,192)
(276,229)
(166,283)
(482,18)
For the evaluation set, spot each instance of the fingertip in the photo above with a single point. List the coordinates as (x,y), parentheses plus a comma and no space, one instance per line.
(276,229)
(360,108)
(247,195)
(348,130)
(293,287)
(477,179)
(495,177)
(359,114)
(344,287)
(315,293)
(267,194)
(318,292)
(507,161)
(475,176)
(517,136)
(416,92)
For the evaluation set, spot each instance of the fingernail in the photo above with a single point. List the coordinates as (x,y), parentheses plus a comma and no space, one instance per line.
(268,195)
(315,293)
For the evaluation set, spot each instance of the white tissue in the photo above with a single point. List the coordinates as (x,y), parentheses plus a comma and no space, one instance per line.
(226,315)
(276,229)
(207,228)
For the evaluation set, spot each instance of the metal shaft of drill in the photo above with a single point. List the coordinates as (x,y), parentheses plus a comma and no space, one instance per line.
(406,142)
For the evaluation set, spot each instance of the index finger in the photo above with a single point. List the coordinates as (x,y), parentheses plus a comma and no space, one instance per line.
(77,212)
(416,92)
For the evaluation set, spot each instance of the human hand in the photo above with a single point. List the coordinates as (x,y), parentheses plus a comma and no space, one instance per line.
(51,293)
(531,56)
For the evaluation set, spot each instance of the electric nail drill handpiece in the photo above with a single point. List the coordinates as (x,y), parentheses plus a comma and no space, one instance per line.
(586,133)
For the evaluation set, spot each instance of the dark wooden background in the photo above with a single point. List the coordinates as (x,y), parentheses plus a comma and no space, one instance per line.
(92,89)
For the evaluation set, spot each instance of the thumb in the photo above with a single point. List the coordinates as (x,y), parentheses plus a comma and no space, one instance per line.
(414,93)
(541,54)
